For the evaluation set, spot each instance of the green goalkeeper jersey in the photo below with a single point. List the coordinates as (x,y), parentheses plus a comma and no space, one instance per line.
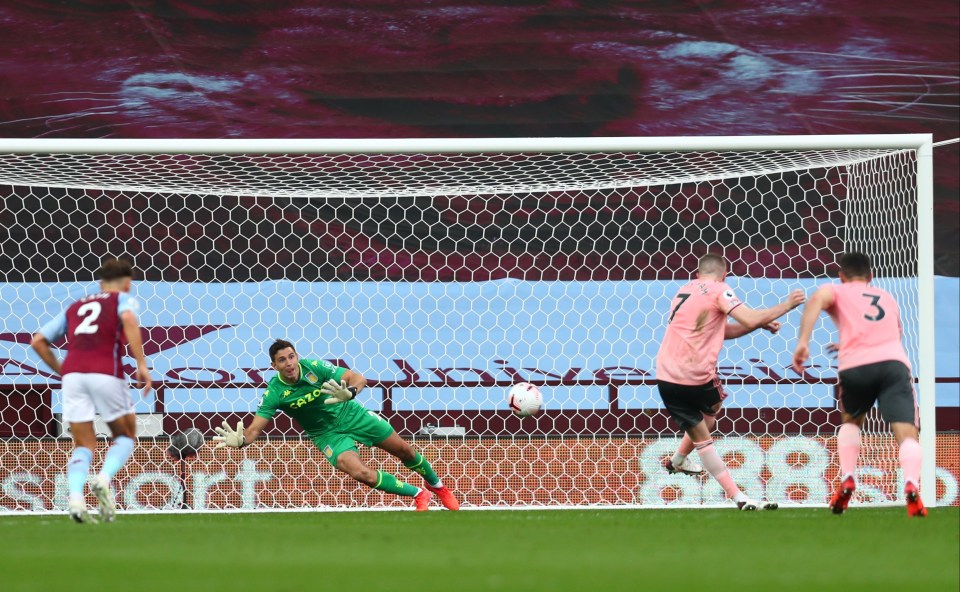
(303,400)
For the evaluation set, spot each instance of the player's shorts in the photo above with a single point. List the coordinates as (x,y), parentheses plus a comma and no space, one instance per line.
(355,424)
(888,384)
(687,404)
(86,394)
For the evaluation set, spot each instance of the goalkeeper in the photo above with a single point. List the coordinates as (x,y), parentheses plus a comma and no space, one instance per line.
(319,396)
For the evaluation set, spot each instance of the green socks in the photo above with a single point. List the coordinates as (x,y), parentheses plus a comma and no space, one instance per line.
(421,466)
(390,484)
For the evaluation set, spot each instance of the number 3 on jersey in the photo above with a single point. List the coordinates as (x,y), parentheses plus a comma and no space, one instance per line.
(89,312)
(874,300)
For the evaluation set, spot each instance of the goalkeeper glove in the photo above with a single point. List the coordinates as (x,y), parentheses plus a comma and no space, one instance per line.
(337,392)
(229,437)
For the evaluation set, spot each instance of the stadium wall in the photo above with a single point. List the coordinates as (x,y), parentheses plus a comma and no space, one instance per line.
(293,474)
(207,342)
(206,345)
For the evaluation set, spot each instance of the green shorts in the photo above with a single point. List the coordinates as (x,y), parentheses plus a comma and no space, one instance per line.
(356,424)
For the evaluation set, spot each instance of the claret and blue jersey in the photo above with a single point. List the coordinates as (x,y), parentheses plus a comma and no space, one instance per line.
(94,332)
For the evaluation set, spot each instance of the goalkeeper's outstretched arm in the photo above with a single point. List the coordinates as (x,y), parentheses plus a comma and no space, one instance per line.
(252,431)
(240,437)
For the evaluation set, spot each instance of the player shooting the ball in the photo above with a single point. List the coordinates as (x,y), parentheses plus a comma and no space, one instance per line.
(320,397)
(687,366)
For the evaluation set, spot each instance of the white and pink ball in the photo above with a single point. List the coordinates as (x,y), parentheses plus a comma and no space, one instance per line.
(525,399)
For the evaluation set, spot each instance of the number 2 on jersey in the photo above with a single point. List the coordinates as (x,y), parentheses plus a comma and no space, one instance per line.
(874,299)
(683,298)
(90,312)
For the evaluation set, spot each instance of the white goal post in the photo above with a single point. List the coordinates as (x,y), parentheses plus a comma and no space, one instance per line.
(445,270)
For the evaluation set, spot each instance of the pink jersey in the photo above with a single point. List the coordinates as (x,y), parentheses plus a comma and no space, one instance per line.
(94,332)
(868,319)
(695,328)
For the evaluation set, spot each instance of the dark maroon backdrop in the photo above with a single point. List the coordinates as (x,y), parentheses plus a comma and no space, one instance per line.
(408,68)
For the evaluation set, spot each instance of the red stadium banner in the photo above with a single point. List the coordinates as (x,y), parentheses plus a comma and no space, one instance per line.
(278,474)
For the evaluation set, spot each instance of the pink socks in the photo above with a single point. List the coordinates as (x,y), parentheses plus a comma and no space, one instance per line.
(910,460)
(715,465)
(848,448)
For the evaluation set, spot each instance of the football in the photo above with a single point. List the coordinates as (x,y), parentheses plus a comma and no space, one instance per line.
(525,399)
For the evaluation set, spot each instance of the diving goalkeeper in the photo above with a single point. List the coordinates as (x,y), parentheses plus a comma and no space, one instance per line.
(320,397)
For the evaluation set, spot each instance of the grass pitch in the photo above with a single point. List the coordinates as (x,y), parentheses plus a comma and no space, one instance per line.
(594,550)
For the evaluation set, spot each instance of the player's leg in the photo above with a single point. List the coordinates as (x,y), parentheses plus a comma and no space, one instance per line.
(687,406)
(79,411)
(911,459)
(367,427)
(713,462)
(123,430)
(898,406)
(848,451)
(680,461)
(415,461)
(857,396)
(340,450)
(848,444)
(78,468)
(112,398)
(349,462)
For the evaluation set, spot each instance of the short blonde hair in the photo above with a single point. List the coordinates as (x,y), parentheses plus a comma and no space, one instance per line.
(712,265)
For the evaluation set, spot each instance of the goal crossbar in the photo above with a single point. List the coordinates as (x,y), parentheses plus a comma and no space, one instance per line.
(459,145)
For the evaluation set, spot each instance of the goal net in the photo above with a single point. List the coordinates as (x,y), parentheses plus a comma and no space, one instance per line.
(445,271)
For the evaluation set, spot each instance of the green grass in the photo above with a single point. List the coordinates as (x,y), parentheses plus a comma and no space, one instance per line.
(598,551)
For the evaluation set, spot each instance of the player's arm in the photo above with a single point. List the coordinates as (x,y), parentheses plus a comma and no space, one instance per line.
(735,329)
(347,388)
(131,330)
(240,437)
(354,379)
(41,345)
(252,431)
(53,330)
(822,299)
(752,320)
